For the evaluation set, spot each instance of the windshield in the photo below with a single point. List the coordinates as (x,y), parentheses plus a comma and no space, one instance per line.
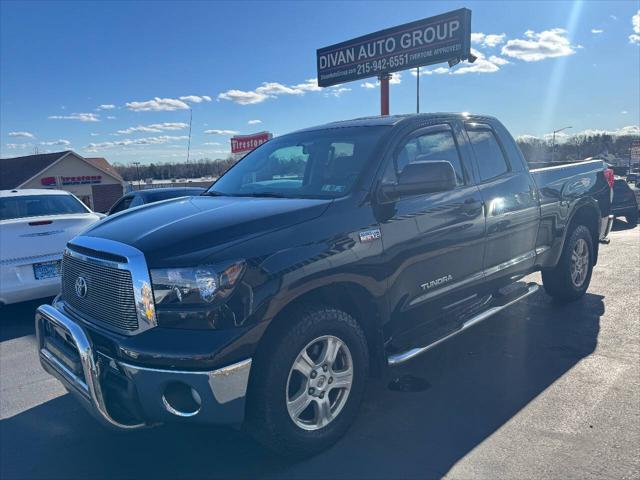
(315,164)
(37,205)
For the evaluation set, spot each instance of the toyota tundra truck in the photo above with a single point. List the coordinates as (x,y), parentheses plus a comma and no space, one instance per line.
(322,258)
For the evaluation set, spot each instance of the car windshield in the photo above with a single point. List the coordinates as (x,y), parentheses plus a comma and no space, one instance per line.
(314,164)
(37,205)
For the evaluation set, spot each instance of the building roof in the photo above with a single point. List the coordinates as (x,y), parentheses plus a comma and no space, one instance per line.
(102,164)
(15,171)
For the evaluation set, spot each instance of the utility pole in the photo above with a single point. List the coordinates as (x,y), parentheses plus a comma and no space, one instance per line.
(189,142)
(417,89)
(553,143)
(137,164)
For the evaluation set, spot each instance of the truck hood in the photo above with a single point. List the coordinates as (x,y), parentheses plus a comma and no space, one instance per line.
(187,231)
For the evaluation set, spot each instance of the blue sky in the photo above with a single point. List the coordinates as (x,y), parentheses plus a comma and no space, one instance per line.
(543,65)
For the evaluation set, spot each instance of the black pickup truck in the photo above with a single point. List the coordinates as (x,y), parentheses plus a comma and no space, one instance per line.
(321,258)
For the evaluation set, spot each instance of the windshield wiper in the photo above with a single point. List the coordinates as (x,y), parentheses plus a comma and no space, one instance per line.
(213,193)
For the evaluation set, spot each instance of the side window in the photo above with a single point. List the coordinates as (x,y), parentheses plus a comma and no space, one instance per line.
(489,155)
(121,205)
(429,147)
(136,201)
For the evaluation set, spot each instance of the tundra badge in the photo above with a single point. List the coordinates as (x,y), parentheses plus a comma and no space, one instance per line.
(436,283)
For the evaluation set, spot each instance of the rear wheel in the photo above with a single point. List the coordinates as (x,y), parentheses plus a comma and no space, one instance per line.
(570,279)
(309,382)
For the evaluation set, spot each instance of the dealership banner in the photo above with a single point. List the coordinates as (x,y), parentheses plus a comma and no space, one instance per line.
(246,143)
(424,42)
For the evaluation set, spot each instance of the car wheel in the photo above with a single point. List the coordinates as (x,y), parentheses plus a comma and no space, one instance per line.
(569,280)
(309,382)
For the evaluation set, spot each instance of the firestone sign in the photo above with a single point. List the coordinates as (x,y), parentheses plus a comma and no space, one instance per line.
(246,143)
(79,180)
(424,42)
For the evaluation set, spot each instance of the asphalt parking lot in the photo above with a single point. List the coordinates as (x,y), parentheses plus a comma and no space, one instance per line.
(541,390)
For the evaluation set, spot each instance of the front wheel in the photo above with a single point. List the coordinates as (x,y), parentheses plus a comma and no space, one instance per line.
(570,279)
(309,382)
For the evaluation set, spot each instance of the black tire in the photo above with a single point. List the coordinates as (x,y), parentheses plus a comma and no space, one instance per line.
(558,281)
(267,416)
(632,218)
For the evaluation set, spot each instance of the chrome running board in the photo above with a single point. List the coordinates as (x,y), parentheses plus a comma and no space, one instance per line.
(398,358)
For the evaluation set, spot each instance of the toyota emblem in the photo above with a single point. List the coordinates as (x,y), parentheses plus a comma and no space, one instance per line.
(81,287)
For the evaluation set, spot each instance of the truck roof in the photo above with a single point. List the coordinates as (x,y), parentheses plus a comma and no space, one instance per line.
(392,120)
(31,191)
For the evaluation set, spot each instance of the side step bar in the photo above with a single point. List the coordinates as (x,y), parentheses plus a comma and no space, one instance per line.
(398,358)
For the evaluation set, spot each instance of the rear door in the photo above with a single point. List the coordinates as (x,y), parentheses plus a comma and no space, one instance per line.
(433,242)
(511,205)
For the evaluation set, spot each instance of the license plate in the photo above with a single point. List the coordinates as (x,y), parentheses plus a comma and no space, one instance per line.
(46,270)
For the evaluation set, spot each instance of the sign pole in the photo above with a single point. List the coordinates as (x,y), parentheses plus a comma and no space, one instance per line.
(417,89)
(384,94)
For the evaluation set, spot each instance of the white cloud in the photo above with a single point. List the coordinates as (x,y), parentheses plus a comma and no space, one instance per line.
(162,139)
(154,127)
(61,142)
(613,17)
(106,106)
(336,92)
(269,90)
(212,143)
(635,22)
(596,30)
(94,134)
(254,122)
(481,65)
(83,117)
(16,146)
(539,46)
(158,104)
(396,78)
(110,117)
(22,134)
(624,112)
(488,40)
(196,98)
(217,131)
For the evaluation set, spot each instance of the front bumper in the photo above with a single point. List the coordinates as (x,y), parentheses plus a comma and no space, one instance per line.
(126,396)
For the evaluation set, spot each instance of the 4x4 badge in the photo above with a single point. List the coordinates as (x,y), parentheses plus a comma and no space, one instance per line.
(370,235)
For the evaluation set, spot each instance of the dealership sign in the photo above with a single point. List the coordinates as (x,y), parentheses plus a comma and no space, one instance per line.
(246,143)
(80,180)
(438,39)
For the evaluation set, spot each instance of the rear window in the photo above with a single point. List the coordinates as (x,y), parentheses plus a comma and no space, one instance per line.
(37,205)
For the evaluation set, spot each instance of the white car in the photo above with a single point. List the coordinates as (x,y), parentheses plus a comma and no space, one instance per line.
(35,226)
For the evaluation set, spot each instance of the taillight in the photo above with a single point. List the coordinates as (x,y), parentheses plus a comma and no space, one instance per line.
(608,174)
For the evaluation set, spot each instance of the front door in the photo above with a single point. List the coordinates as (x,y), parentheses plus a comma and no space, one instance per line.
(433,243)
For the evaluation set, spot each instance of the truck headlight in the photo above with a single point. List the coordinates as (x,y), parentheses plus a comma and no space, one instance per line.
(200,285)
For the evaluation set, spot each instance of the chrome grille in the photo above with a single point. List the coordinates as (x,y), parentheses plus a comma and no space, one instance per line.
(109,300)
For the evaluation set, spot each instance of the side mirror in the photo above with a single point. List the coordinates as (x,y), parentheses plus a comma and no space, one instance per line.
(422,177)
